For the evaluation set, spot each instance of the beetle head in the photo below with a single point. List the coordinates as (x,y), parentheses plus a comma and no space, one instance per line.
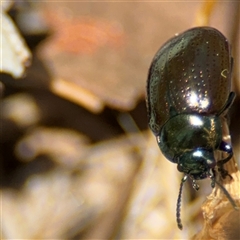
(197,163)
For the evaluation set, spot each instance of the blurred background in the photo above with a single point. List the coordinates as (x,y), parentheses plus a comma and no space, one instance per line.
(77,158)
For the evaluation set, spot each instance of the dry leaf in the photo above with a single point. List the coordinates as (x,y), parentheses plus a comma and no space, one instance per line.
(15,55)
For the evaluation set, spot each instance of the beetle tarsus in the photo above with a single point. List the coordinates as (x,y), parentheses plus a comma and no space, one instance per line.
(224,173)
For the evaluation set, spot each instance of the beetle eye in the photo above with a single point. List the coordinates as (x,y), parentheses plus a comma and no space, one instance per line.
(180,167)
(211,163)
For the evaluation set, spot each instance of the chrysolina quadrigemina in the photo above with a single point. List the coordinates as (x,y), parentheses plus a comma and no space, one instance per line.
(188,94)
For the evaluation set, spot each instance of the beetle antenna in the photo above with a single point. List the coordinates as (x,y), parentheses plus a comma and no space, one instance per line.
(178,211)
(227,194)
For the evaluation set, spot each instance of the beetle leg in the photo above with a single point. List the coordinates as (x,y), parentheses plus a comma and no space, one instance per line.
(214,181)
(228,149)
(212,176)
(228,104)
(224,173)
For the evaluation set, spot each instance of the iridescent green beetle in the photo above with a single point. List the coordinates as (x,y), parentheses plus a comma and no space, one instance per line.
(188,94)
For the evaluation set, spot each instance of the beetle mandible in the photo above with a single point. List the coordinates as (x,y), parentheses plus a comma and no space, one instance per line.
(188,95)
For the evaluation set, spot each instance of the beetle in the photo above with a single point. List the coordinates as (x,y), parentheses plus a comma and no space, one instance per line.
(188,96)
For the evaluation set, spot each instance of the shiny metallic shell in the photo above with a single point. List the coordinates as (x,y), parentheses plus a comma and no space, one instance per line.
(190,73)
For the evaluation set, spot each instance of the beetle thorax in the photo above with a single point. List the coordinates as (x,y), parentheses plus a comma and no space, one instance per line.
(187,133)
